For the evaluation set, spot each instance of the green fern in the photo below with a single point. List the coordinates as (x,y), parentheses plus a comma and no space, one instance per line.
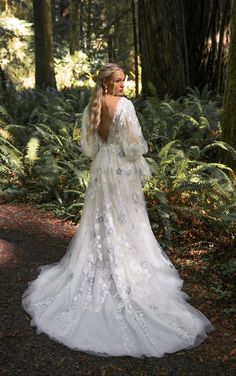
(166,150)
(220,145)
(4,114)
(12,158)
(5,134)
(42,155)
(32,149)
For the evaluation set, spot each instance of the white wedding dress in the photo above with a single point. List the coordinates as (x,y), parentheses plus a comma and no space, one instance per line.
(115,292)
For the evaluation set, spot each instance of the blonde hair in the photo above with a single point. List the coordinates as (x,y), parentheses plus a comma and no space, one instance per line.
(95,103)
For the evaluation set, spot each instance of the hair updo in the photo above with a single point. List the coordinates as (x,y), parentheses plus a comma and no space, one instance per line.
(95,103)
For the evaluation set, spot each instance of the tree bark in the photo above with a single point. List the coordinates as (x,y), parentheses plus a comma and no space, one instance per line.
(4,6)
(44,64)
(89,25)
(53,17)
(3,81)
(74,25)
(163,47)
(219,87)
(206,25)
(229,107)
(81,22)
(135,36)
(110,47)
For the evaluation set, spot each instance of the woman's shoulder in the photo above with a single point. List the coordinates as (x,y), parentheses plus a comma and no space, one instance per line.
(125,110)
(126,103)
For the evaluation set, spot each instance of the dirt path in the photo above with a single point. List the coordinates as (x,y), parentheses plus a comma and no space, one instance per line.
(30,238)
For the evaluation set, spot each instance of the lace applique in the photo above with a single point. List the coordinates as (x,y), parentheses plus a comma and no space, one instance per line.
(114,265)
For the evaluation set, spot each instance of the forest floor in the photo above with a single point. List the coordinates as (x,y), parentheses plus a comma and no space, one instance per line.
(31,237)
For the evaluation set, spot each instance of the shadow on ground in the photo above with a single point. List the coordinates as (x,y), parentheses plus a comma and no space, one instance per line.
(30,238)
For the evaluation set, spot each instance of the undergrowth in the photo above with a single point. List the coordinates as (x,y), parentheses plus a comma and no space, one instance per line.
(42,163)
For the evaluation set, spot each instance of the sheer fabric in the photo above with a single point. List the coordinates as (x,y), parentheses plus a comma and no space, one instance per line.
(115,292)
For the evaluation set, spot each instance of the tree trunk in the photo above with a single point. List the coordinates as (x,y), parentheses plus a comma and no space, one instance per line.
(206,25)
(89,25)
(44,65)
(229,107)
(110,47)
(163,47)
(81,23)
(135,36)
(53,13)
(220,61)
(74,25)
(3,85)
(4,6)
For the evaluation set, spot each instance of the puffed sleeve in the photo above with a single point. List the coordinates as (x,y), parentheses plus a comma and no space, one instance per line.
(133,143)
(90,143)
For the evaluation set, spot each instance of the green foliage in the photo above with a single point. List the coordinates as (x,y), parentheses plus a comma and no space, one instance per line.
(42,160)
(189,182)
(32,148)
(46,165)
(224,286)
(15,49)
(73,70)
(193,121)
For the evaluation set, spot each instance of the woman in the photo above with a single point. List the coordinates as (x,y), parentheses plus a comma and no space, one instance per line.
(115,292)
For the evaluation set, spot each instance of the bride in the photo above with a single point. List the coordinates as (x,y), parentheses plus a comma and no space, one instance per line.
(115,292)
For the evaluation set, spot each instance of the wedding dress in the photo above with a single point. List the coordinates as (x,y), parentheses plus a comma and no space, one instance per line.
(115,292)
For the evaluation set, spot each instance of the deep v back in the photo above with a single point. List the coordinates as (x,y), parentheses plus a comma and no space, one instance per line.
(107,116)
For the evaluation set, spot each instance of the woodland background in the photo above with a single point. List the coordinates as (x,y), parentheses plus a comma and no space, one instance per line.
(180,61)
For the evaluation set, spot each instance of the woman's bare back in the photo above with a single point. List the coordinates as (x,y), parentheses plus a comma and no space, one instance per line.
(109,103)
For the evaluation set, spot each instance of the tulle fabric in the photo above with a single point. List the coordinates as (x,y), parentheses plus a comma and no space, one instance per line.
(115,292)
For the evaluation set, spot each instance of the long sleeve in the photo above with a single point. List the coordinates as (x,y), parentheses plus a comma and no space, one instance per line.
(90,144)
(133,143)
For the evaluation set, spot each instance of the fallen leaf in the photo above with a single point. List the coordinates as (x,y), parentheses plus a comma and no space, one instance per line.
(163,372)
(117,368)
(232,352)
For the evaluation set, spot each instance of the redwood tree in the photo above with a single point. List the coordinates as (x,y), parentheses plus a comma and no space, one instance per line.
(74,25)
(206,27)
(163,47)
(44,65)
(229,108)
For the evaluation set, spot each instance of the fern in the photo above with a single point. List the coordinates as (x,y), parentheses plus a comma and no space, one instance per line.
(166,149)
(221,145)
(12,158)
(4,114)
(5,134)
(32,149)
(43,158)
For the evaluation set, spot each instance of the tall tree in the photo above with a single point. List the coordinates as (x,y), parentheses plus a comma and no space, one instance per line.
(229,107)
(206,25)
(135,37)
(89,24)
(163,47)
(74,25)
(44,64)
